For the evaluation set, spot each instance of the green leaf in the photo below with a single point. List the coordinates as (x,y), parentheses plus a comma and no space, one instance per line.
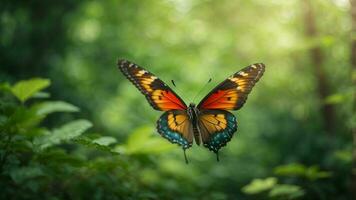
(48,107)
(22,120)
(314,173)
(296,169)
(64,133)
(105,141)
(335,99)
(27,88)
(259,185)
(100,144)
(286,191)
(293,169)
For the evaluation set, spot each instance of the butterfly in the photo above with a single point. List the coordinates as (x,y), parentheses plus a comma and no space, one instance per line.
(209,122)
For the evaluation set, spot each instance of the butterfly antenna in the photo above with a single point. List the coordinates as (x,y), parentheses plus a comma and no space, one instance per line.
(173,83)
(202,89)
(177,89)
(185,157)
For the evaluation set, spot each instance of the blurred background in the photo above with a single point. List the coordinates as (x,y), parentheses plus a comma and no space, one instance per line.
(294,139)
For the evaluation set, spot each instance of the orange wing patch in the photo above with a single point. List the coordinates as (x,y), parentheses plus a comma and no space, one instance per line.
(166,100)
(221,99)
(232,93)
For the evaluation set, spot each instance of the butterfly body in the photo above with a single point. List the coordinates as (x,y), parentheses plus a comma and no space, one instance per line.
(193,113)
(210,122)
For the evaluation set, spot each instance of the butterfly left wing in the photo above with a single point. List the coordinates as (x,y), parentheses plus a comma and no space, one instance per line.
(175,126)
(157,93)
(217,128)
(232,93)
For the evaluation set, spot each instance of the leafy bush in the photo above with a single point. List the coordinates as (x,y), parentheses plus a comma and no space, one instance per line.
(35,159)
(273,190)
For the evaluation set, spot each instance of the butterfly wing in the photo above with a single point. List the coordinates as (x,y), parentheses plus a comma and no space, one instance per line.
(232,93)
(176,127)
(158,94)
(216,127)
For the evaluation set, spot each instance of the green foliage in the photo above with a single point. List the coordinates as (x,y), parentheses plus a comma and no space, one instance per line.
(259,185)
(99,143)
(104,141)
(275,190)
(343,156)
(335,99)
(64,133)
(45,108)
(22,174)
(296,169)
(31,155)
(25,89)
(285,191)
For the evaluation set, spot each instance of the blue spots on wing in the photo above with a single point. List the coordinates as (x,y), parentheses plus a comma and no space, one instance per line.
(219,139)
(169,134)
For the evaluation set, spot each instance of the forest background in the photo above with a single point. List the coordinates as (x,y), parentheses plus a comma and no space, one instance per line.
(72,127)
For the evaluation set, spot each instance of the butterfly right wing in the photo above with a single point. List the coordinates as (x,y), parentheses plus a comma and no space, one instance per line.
(217,128)
(232,93)
(175,126)
(157,93)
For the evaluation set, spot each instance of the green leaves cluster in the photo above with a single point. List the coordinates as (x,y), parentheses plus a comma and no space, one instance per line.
(23,121)
(274,190)
(298,170)
(32,155)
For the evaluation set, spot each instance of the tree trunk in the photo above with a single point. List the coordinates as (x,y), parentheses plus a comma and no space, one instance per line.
(317,60)
(353,70)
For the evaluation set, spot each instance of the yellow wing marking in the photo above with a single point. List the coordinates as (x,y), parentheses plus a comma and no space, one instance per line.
(242,84)
(146,82)
(141,72)
(178,123)
(214,123)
